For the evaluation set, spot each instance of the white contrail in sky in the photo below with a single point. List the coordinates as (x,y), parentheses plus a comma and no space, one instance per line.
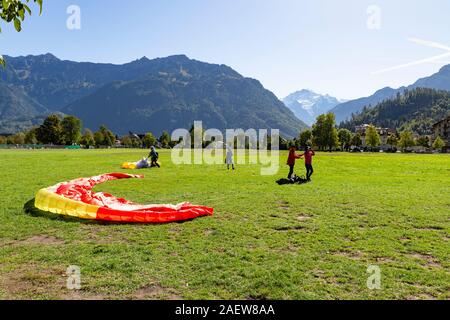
(429,44)
(434,59)
(414,63)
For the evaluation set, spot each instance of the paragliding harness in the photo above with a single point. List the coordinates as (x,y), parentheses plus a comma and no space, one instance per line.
(143,164)
(294,180)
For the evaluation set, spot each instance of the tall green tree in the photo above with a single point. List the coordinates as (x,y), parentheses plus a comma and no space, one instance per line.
(406,140)
(87,139)
(356,140)
(136,142)
(50,132)
(104,137)
(18,138)
(71,130)
(373,139)
(165,139)
(127,142)
(438,143)
(392,140)
(345,137)
(30,137)
(325,134)
(3,140)
(332,137)
(423,141)
(149,140)
(305,139)
(194,132)
(15,11)
(318,131)
(99,139)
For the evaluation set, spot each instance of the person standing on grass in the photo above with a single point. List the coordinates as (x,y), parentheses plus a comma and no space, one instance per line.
(309,153)
(293,156)
(230,158)
(154,156)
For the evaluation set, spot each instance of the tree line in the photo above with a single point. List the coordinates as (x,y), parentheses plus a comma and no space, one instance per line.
(325,135)
(67,131)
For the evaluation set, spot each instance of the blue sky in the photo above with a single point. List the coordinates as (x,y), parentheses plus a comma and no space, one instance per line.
(324,45)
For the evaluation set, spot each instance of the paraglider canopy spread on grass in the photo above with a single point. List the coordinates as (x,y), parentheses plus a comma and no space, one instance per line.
(75,198)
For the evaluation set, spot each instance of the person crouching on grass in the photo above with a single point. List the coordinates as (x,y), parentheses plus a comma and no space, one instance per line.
(293,156)
(154,156)
(309,154)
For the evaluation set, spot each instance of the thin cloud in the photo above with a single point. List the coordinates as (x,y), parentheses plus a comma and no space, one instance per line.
(441,62)
(434,59)
(430,44)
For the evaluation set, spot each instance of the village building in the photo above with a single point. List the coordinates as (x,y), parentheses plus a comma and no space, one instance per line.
(442,129)
(383,132)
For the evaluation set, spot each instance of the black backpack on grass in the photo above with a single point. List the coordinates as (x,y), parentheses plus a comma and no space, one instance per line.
(294,180)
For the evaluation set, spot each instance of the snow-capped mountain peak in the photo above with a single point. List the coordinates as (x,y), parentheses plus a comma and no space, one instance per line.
(307,104)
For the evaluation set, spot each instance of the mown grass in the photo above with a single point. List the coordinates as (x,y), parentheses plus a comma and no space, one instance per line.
(312,241)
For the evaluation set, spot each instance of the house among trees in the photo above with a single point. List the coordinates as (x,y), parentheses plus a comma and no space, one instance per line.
(442,129)
(383,132)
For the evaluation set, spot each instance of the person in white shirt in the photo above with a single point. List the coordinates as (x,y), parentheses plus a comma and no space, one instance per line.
(230,158)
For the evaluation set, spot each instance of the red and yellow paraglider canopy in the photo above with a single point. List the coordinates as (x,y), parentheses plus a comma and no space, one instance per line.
(75,198)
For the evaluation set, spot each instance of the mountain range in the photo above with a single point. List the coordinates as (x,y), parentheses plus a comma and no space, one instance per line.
(307,105)
(439,81)
(143,95)
(165,94)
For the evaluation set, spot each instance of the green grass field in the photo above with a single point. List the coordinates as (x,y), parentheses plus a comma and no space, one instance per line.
(311,241)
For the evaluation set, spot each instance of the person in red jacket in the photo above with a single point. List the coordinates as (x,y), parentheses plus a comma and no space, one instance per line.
(293,156)
(309,154)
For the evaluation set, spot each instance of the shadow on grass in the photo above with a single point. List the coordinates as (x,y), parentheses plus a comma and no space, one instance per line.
(31,210)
